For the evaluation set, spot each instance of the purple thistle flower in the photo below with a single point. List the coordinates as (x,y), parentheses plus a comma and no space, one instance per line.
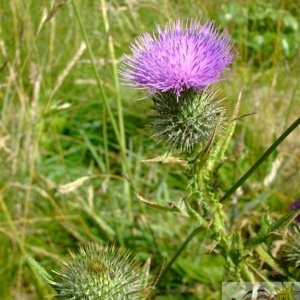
(296,205)
(178,58)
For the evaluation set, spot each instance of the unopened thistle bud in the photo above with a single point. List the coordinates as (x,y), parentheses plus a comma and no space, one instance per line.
(104,273)
(186,124)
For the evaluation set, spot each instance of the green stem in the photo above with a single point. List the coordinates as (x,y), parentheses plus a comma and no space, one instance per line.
(102,92)
(115,71)
(261,160)
(119,135)
(179,251)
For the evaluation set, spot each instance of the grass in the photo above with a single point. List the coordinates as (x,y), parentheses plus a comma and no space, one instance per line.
(69,132)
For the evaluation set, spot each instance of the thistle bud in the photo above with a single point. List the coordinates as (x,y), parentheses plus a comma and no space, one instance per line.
(186,123)
(103,273)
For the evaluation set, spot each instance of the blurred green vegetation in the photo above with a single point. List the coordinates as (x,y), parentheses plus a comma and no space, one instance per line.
(62,166)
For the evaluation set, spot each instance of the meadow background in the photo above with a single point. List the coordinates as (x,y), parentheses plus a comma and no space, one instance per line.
(62,165)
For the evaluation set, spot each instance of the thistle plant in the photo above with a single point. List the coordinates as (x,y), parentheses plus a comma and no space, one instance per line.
(178,67)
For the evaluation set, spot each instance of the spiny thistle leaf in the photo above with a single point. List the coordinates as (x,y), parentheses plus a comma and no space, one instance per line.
(271,227)
(186,123)
(220,149)
(39,269)
(104,273)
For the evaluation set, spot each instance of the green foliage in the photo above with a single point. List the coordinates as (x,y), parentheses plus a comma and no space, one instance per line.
(262,26)
(55,131)
(268,227)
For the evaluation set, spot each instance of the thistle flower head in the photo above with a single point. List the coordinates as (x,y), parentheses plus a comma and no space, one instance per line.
(187,124)
(179,57)
(101,273)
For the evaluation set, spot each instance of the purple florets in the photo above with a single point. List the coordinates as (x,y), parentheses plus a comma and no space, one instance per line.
(295,205)
(179,57)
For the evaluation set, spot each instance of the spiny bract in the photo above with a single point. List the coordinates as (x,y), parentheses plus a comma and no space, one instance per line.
(291,249)
(187,123)
(101,273)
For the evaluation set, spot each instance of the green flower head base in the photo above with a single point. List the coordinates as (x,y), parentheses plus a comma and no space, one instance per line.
(188,123)
(104,273)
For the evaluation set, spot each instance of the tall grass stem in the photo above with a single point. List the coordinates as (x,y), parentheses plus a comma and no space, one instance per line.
(257,164)
(179,250)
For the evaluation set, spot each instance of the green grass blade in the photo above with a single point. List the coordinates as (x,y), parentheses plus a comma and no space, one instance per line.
(261,160)
(180,249)
(98,80)
(38,269)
